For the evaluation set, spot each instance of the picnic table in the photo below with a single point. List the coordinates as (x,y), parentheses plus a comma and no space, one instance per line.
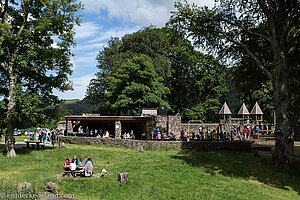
(79,172)
(33,142)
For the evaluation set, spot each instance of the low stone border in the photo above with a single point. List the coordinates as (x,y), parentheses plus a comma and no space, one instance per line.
(151,144)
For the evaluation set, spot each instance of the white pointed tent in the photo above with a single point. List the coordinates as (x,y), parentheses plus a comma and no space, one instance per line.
(244,112)
(256,111)
(225,111)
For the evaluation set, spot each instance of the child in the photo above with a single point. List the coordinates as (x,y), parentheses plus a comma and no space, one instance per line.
(81,163)
(67,164)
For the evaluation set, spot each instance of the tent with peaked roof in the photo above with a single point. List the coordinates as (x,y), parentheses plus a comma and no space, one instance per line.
(225,110)
(256,110)
(243,110)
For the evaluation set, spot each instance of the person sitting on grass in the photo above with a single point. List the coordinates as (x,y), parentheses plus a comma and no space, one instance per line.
(81,163)
(67,165)
(75,159)
(73,166)
(89,168)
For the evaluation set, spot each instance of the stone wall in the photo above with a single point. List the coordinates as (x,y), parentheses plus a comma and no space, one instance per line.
(150,126)
(162,123)
(233,145)
(174,124)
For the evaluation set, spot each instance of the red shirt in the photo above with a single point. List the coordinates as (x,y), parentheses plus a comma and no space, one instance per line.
(245,130)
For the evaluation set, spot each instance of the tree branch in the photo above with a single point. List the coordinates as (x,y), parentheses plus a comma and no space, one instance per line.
(260,65)
(24,18)
(289,25)
(4,15)
(269,15)
(247,30)
(272,6)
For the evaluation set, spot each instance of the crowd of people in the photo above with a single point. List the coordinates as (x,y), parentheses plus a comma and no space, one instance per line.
(157,135)
(87,167)
(46,135)
(128,135)
(94,132)
(205,133)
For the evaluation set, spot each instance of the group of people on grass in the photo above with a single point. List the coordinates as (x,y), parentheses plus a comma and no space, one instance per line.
(47,136)
(81,165)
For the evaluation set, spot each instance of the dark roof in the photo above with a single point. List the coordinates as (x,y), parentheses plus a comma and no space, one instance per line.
(107,118)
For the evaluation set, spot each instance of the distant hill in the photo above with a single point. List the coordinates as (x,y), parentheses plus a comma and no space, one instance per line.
(76,107)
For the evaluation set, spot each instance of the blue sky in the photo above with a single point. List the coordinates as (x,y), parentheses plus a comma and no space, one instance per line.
(104,19)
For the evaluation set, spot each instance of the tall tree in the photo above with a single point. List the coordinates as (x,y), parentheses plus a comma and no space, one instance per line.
(149,41)
(28,57)
(198,85)
(221,28)
(183,69)
(136,84)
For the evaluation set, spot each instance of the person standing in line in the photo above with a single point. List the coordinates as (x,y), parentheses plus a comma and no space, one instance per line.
(87,131)
(185,133)
(53,138)
(101,132)
(245,133)
(155,133)
(193,136)
(181,135)
(159,136)
(224,135)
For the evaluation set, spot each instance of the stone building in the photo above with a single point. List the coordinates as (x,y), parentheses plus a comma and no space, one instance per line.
(117,125)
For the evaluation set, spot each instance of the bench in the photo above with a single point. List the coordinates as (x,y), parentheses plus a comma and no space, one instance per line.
(37,144)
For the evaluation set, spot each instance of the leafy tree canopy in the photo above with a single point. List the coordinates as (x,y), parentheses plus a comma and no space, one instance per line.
(191,76)
(135,85)
(229,27)
(30,60)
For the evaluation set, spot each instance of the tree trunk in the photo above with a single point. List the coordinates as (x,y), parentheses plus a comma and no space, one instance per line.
(9,136)
(284,147)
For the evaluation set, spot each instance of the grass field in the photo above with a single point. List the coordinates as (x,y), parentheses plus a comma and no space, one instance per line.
(154,174)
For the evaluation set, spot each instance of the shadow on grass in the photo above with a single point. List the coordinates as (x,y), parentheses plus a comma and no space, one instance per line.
(243,165)
(24,150)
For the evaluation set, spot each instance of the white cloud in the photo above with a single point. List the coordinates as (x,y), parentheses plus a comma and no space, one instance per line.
(90,45)
(86,30)
(86,58)
(114,32)
(79,84)
(141,12)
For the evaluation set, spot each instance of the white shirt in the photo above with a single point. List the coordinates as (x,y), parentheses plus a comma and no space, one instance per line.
(73,166)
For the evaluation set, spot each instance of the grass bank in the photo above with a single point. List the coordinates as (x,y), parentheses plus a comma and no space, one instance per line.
(156,174)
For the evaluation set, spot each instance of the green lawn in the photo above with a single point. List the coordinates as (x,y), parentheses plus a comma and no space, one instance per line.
(18,139)
(154,174)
